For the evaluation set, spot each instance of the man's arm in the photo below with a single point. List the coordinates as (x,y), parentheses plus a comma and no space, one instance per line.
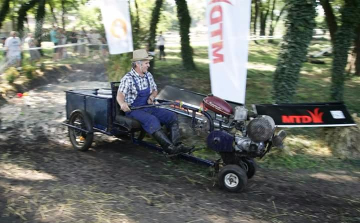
(120,97)
(152,97)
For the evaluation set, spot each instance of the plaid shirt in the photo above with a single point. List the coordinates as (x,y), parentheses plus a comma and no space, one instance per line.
(128,88)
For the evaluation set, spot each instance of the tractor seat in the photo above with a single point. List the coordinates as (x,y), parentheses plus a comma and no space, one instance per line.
(129,123)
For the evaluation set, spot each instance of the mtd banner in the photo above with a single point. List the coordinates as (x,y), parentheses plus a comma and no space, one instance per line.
(116,19)
(228,31)
(308,114)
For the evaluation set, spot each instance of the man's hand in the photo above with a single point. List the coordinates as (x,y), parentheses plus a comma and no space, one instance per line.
(150,100)
(125,107)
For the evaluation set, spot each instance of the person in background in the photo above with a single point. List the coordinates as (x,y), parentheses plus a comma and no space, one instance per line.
(73,38)
(138,88)
(54,38)
(3,45)
(31,42)
(95,42)
(13,49)
(161,43)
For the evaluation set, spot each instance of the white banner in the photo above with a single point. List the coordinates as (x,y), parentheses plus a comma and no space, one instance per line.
(228,31)
(116,19)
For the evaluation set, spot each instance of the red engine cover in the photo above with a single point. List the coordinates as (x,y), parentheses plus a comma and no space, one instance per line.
(217,105)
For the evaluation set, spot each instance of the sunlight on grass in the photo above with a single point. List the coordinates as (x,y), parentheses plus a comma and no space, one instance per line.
(261,66)
(12,171)
(335,178)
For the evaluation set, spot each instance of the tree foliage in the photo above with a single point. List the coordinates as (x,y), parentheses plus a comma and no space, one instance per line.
(300,23)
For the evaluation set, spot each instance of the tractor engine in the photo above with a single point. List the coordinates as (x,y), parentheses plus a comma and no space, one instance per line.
(245,136)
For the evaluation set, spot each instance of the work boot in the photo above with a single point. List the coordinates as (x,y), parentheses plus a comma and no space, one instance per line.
(165,142)
(175,133)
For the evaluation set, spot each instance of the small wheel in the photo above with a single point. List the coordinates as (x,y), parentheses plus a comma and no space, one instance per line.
(250,167)
(139,135)
(79,139)
(232,178)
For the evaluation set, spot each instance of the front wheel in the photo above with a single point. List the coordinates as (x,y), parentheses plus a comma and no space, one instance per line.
(232,178)
(80,139)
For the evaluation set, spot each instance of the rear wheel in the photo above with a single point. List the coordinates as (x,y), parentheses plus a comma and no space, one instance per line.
(250,167)
(232,178)
(80,140)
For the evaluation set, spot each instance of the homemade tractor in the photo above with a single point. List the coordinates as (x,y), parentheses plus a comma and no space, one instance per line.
(237,135)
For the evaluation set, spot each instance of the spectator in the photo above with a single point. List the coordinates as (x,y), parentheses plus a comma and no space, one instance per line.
(13,49)
(62,41)
(82,39)
(73,38)
(3,45)
(161,43)
(31,42)
(95,41)
(54,38)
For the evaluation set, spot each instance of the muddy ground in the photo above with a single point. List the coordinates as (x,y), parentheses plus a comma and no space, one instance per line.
(42,179)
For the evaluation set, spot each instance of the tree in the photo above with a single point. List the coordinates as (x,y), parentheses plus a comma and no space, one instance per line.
(4,11)
(342,42)
(274,22)
(330,18)
(300,23)
(264,12)
(185,22)
(22,15)
(153,25)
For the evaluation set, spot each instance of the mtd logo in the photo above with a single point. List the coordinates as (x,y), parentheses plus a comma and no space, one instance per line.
(216,20)
(314,117)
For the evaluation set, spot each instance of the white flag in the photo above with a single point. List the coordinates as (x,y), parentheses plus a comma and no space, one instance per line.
(229,25)
(116,19)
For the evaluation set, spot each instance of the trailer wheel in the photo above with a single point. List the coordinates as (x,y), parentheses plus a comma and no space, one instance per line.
(232,178)
(250,167)
(79,139)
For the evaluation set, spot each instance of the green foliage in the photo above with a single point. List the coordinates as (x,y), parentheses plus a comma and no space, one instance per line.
(29,71)
(342,43)
(89,17)
(11,74)
(118,66)
(300,23)
(185,22)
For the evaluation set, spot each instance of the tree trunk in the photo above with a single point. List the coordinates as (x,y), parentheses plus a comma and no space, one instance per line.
(271,29)
(256,16)
(263,17)
(4,11)
(330,18)
(40,15)
(184,22)
(342,44)
(63,13)
(135,21)
(357,51)
(300,23)
(53,13)
(22,15)
(155,16)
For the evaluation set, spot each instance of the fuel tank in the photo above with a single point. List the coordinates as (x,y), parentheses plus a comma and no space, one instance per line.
(217,105)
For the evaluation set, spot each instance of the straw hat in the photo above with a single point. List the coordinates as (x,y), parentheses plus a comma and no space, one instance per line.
(141,54)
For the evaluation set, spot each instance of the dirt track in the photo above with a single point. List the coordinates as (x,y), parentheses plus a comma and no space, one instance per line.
(42,179)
